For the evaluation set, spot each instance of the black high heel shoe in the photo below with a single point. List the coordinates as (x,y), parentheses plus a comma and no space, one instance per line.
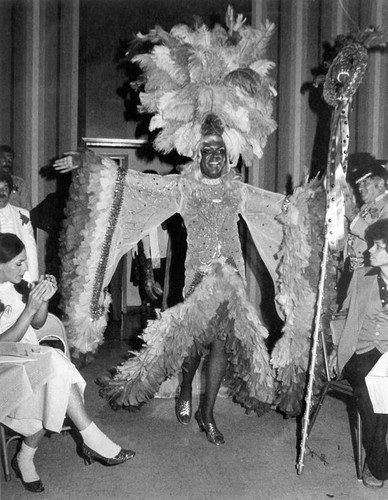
(183,411)
(213,435)
(92,456)
(33,486)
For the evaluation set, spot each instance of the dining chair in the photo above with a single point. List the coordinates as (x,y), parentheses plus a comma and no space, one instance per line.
(340,386)
(53,333)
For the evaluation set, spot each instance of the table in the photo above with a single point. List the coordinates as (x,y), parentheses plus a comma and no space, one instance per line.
(35,387)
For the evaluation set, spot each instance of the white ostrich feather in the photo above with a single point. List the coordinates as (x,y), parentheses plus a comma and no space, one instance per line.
(262,67)
(193,72)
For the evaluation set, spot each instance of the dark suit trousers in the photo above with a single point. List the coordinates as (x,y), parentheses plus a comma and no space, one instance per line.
(374,425)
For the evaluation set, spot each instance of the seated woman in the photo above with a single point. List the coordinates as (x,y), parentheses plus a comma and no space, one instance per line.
(20,310)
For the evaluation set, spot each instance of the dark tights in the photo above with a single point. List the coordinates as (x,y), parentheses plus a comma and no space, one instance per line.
(374,425)
(215,372)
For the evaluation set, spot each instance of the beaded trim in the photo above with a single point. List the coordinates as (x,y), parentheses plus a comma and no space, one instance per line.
(97,310)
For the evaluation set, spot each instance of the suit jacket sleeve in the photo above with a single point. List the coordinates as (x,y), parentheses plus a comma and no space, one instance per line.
(355,305)
(28,238)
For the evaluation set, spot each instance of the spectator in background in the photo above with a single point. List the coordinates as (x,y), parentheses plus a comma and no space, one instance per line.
(369,181)
(16,220)
(48,216)
(360,337)
(367,177)
(20,196)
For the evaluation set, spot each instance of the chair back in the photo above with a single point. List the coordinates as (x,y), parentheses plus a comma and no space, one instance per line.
(52,332)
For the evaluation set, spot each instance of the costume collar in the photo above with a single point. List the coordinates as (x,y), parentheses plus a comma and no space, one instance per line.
(211,182)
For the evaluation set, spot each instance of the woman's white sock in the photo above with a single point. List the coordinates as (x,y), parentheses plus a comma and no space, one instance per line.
(99,442)
(25,459)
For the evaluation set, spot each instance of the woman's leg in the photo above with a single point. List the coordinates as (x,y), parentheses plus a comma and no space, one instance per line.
(24,462)
(34,440)
(92,436)
(76,409)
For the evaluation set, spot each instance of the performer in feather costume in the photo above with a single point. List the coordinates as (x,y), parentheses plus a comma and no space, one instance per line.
(212,99)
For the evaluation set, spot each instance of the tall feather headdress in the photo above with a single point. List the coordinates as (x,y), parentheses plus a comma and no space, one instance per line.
(193,72)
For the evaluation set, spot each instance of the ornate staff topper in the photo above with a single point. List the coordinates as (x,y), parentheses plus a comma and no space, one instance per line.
(342,80)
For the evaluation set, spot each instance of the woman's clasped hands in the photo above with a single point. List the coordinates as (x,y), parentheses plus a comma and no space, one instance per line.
(42,291)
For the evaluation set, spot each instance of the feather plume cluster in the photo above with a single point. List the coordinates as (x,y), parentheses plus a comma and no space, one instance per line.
(172,338)
(191,72)
(299,271)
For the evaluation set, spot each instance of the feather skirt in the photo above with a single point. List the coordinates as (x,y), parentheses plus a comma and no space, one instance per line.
(217,308)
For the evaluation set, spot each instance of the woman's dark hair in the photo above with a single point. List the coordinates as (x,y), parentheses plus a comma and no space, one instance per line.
(10,247)
(377,231)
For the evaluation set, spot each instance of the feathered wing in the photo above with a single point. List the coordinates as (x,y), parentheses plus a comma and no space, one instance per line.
(81,243)
(261,211)
(110,209)
(299,270)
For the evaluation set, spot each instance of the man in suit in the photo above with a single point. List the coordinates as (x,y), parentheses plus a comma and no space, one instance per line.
(16,220)
(20,196)
(362,327)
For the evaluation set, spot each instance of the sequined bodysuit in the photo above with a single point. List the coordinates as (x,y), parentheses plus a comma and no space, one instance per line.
(210,214)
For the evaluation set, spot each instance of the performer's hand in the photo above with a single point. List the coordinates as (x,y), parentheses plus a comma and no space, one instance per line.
(71,161)
(153,289)
(333,364)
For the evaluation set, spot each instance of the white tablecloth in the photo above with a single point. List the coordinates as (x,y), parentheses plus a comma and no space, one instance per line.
(35,387)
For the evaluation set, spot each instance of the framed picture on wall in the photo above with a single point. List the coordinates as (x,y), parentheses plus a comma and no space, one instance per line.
(122,151)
